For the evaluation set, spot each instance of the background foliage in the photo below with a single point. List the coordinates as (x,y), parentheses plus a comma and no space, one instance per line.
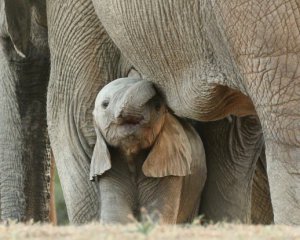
(61,210)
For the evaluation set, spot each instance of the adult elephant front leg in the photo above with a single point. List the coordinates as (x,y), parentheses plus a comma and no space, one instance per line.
(83,59)
(232,147)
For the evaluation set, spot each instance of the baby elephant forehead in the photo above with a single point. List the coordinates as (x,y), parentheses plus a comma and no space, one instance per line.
(115,87)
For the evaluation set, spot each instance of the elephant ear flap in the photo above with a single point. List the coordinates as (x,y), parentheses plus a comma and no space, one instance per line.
(101,158)
(171,154)
(18,18)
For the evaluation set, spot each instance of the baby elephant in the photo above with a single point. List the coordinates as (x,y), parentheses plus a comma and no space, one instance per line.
(144,157)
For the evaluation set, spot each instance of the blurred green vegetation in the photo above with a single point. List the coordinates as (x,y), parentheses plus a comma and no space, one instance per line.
(61,210)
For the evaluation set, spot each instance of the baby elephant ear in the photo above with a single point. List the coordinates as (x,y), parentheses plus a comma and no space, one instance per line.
(100,159)
(18,18)
(171,154)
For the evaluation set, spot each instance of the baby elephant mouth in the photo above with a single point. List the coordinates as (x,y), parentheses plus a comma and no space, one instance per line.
(130,120)
(129,125)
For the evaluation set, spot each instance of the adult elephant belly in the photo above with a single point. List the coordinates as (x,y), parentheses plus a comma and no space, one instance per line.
(170,43)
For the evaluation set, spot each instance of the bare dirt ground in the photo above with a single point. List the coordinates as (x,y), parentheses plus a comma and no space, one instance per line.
(144,231)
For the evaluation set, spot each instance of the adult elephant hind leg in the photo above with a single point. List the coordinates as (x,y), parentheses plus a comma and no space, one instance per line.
(261,206)
(232,147)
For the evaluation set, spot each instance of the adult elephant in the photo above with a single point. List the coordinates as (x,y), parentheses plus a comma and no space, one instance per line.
(24,75)
(208,58)
(214,58)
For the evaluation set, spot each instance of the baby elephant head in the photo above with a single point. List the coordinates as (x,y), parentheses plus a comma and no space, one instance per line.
(131,116)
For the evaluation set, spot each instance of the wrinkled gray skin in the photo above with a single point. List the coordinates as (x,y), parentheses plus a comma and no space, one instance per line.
(144,157)
(247,199)
(209,59)
(214,58)
(261,207)
(83,60)
(24,73)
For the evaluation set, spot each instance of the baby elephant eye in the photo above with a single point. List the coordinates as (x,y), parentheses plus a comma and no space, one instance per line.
(105,104)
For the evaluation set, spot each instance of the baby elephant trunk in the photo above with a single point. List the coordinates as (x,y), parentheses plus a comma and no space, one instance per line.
(132,106)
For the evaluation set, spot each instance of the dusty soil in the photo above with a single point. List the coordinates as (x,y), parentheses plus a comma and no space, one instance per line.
(144,231)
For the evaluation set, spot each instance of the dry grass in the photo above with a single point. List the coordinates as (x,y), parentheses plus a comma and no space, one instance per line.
(155,232)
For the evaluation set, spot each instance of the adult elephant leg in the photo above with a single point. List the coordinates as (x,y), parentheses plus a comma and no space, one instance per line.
(23,139)
(83,59)
(261,206)
(267,54)
(24,72)
(276,98)
(284,177)
(232,148)
(31,94)
(281,127)
(11,149)
(283,167)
